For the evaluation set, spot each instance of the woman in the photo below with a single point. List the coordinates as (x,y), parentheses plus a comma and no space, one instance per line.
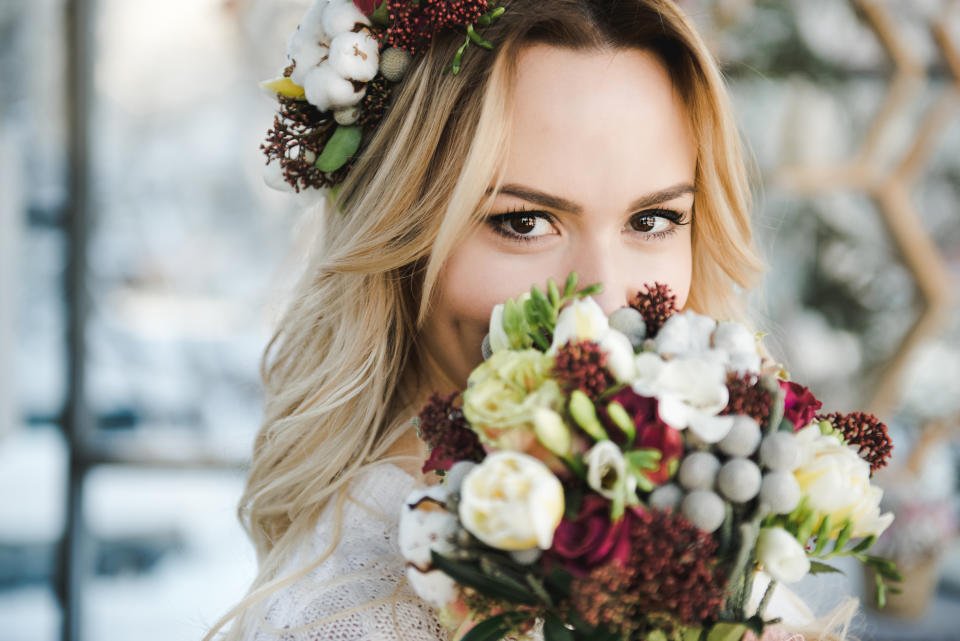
(597,137)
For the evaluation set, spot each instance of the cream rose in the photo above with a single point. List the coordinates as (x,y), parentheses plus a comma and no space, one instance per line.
(511,501)
(503,393)
(836,481)
(782,556)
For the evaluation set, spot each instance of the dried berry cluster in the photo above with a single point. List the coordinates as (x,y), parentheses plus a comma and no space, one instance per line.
(748,397)
(413,24)
(447,433)
(671,578)
(656,305)
(299,133)
(867,433)
(582,366)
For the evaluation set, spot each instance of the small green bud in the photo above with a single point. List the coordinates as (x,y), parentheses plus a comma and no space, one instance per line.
(585,414)
(552,432)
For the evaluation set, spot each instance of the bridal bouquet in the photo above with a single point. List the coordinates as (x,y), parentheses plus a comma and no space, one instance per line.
(625,477)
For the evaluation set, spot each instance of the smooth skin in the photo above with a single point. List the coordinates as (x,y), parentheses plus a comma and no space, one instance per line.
(599,179)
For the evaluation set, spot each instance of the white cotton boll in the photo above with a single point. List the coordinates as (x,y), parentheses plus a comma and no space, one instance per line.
(426,527)
(780,451)
(273,177)
(685,334)
(435,587)
(780,492)
(666,497)
(326,89)
(704,509)
(743,438)
(734,338)
(698,471)
(355,56)
(739,480)
(308,57)
(340,16)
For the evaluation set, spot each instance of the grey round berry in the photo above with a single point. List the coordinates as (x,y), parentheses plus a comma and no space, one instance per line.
(394,63)
(739,480)
(698,471)
(666,497)
(630,323)
(780,491)
(742,439)
(704,509)
(779,452)
(347,115)
(485,348)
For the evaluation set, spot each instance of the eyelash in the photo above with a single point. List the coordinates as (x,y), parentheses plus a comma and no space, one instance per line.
(496,222)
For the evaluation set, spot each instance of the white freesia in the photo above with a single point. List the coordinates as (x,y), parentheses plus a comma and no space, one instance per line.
(426,525)
(606,469)
(687,333)
(581,320)
(512,501)
(690,393)
(584,320)
(836,482)
(340,16)
(498,336)
(782,556)
(355,56)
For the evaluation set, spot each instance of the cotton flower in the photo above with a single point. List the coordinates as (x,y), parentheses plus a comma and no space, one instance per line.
(340,16)
(782,556)
(683,334)
(511,501)
(691,393)
(425,526)
(355,56)
(739,345)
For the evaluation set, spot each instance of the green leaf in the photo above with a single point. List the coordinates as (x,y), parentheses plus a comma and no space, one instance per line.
(806,527)
(472,577)
(571,285)
(844,536)
(644,459)
(380,15)
(554,293)
(865,544)
(492,629)
(476,37)
(823,533)
(692,634)
(657,635)
(724,631)
(621,419)
(591,290)
(341,147)
(559,581)
(555,630)
(816,567)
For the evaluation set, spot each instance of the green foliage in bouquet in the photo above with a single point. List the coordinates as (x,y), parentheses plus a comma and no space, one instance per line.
(530,322)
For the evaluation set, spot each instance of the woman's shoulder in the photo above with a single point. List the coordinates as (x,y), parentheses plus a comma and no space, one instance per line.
(347,580)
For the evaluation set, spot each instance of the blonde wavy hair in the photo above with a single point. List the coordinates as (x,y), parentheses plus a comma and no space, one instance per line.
(343,366)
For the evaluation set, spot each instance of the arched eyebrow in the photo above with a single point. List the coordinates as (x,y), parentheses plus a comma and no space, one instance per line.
(550,201)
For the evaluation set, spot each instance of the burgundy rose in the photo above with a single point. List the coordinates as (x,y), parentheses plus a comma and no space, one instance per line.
(366,6)
(591,540)
(800,405)
(652,432)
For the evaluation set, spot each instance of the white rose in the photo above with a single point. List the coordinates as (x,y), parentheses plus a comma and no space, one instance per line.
(355,56)
(511,501)
(426,525)
(581,320)
(606,469)
(782,556)
(836,481)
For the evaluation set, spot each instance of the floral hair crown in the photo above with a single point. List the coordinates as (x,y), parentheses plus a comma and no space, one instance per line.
(344,59)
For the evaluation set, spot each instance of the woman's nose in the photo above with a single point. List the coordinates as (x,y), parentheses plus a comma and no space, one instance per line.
(597,263)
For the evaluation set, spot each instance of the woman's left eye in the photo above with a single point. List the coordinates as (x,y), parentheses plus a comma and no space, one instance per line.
(656,223)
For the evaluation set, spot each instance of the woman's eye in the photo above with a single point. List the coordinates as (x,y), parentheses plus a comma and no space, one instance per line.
(655,223)
(521,225)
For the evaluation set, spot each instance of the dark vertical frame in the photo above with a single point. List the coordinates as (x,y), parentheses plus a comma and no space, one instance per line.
(75,558)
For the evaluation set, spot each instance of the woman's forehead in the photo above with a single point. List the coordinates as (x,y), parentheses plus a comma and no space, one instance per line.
(597,124)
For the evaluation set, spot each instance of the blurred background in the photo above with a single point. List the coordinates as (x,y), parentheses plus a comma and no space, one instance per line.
(143,263)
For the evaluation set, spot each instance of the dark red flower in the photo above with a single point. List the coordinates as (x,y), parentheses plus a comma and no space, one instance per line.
(800,405)
(865,432)
(582,365)
(447,433)
(656,304)
(366,6)
(591,540)
(652,432)
(749,397)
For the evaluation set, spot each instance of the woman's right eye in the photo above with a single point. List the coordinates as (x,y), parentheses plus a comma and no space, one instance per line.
(522,225)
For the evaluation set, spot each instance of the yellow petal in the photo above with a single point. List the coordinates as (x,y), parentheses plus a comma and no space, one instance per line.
(284,87)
